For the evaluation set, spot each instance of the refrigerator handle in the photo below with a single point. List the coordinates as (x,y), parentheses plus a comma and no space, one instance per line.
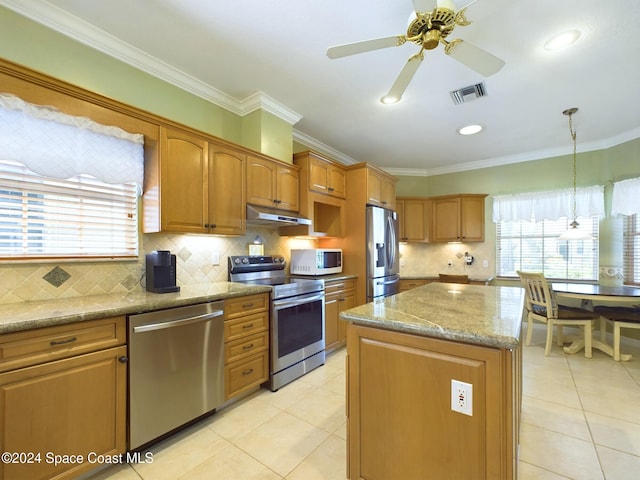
(391,243)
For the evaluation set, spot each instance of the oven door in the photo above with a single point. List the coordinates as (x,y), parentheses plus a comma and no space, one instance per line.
(297,329)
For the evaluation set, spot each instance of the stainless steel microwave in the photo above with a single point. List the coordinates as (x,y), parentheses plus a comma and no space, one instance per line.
(316,261)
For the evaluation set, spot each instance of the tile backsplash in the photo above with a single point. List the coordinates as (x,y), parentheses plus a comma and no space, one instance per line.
(432,259)
(22,282)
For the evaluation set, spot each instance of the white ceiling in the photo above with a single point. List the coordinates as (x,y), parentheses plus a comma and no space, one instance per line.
(230,50)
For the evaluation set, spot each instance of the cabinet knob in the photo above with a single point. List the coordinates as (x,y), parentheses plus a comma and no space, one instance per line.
(123,359)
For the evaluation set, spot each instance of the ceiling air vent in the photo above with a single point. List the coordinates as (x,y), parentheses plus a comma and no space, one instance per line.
(466,94)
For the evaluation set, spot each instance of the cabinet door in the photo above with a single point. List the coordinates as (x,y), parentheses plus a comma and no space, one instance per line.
(68,407)
(415,221)
(288,188)
(227,197)
(446,219)
(347,301)
(331,320)
(337,182)
(261,181)
(184,182)
(374,189)
(472,218)
(388,193)
(319,175)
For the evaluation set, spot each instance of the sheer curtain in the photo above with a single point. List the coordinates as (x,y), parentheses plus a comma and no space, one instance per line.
(54,144)
(549,205)
(626,197)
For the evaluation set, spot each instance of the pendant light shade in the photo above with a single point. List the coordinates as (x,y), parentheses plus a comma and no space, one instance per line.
(574,233)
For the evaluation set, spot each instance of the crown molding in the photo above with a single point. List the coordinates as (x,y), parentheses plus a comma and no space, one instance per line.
(323,148)
(77,29)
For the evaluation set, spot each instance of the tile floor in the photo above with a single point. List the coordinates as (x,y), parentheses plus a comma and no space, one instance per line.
(580,420)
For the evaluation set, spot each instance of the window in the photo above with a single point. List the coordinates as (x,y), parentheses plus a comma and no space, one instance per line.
(42,217)
(631,240)
(534,246)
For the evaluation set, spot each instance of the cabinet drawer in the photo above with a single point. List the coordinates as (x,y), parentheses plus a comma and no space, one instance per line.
(32,347)
(245,347)
(409,284)
(240,327)
(242,375)
(237,307)
(339,285)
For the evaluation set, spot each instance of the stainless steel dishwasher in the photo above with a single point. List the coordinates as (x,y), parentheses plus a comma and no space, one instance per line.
(175,368)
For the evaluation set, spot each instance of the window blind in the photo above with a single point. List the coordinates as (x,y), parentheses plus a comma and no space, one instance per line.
(631,254)
(43,217)
(535,247)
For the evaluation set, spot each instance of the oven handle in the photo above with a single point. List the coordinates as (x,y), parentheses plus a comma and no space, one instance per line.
(297,301)
(178,323)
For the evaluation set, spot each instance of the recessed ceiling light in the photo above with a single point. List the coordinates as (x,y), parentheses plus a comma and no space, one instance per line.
(562,40)
(390,99)
(470,130)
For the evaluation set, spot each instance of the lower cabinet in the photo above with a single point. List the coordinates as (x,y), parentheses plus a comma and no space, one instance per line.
(399,407)
(63,412)
(246,347)
(408,284)
(339,295)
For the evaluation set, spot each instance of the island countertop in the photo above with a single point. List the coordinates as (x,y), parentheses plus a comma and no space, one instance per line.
(481,315)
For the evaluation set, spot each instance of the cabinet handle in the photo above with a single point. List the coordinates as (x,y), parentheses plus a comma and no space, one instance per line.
(206,225)
(341,299)
(54,343)
(123,359)
(247,305)
(213,225)
(248,325)
(248,372)
(248,347)
(330,189)
(277,201)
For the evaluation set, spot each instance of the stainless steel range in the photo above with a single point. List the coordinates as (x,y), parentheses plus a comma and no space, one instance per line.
(297,315)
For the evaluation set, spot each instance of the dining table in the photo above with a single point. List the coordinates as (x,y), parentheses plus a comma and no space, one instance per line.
(589,293)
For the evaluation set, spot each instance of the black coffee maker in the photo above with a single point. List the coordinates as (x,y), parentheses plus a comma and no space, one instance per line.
(161,272)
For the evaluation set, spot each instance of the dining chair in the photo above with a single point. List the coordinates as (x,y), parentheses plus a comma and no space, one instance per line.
(620,317)
(445,278)
(542,306)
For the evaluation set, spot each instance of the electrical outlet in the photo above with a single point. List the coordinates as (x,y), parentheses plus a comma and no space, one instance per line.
(485,264)
(215,258)
(450,263)
(462,397)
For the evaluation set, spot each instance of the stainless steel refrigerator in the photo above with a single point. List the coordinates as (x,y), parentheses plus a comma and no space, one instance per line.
(383,253)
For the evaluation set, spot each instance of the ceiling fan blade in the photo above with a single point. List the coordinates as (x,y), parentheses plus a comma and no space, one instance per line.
(404,78)
(365,46)
(422,6)
(475,58)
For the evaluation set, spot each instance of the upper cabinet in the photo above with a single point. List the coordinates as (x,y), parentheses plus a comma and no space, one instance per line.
(189,191)
(323,175)
(414,216)
(381,188)
(458,218)
(271,183)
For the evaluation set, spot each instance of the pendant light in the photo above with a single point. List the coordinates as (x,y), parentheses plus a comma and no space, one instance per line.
(574,233)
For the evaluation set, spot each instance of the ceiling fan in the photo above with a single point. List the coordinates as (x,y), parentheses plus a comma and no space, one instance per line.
(429,26)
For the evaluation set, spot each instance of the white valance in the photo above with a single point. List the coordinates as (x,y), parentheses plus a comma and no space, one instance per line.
(550,205)
(626,197)
(54,144)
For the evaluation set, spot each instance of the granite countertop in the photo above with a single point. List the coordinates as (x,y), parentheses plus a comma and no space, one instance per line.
(472,278)
(477,314)
(15,317)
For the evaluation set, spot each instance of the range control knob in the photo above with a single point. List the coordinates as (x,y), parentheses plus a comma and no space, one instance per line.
(245,260)
(236,261)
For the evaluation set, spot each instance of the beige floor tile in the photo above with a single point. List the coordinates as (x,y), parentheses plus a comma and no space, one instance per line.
(239,419)
(554,391)
(559,453)
(231,464)
(282,442)
(321,375)
(614,433)
(289,394)
(620,401)
(526,471)
(181,453)
(321,408)
(555,417)
(618,465)
(115,472)
(327,462)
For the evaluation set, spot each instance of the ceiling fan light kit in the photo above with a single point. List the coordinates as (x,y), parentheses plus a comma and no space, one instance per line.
(429,26)
(562,40)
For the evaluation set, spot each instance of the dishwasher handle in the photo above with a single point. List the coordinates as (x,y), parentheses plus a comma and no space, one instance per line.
(177,323)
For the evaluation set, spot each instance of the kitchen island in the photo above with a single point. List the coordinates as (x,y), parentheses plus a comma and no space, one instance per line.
(434,384)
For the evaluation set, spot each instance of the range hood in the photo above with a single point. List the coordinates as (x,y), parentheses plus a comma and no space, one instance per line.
(269,216)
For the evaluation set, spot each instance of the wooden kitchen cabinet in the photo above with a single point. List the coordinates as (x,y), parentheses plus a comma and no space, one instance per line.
(63,391)
(201,185)
(323,175)
(340,295)
(274,184)
(458,218)
(408,429)
(246,343)
(381,188)
(414,216)
(408,284)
